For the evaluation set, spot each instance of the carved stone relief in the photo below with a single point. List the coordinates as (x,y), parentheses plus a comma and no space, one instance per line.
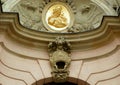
(57,17)
(115,4)
(87,18)
(87,15)
(59,52)
(3,1)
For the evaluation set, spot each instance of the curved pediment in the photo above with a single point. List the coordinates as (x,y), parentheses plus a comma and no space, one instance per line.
(75,16)
(110,26)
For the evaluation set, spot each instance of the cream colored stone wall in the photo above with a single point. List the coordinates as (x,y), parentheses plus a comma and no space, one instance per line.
(22,70)
(24,58)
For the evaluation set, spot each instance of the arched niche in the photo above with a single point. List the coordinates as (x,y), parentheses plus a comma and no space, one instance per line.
(65,83)
(71,81)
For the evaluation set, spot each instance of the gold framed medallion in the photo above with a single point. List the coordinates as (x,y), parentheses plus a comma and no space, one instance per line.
(57,16)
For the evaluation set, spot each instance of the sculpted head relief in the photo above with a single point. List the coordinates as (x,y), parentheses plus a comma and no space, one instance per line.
(57,17)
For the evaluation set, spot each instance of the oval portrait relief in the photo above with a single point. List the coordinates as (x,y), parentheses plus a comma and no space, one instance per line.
(57,17)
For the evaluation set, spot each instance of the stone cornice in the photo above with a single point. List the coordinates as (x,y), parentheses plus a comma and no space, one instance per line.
(81,40)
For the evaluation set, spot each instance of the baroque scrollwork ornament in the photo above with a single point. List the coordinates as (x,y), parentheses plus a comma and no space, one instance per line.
(59,52)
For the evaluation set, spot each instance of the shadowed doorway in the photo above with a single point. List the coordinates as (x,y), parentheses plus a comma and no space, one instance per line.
(79,82)
(66,83)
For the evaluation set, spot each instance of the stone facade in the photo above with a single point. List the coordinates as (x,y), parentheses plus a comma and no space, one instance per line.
(24,57)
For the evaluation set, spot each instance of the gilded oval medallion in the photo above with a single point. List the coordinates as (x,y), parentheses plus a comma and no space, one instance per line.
(57,17)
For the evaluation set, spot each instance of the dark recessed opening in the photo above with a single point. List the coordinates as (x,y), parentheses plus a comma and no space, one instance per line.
(60,64)
(66,83)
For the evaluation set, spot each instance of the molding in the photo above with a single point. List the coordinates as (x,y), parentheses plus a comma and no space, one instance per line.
(14,78)
(107,79)
(77,40)
(18,70)
(80,71)
(20,55)
(103,71)
(117,48)
(86,59)
(41,70)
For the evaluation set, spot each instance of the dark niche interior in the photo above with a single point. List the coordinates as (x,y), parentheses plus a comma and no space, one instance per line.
(60,64)
(66,83)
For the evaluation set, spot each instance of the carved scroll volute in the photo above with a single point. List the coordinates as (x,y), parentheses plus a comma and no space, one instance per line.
(59,52)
